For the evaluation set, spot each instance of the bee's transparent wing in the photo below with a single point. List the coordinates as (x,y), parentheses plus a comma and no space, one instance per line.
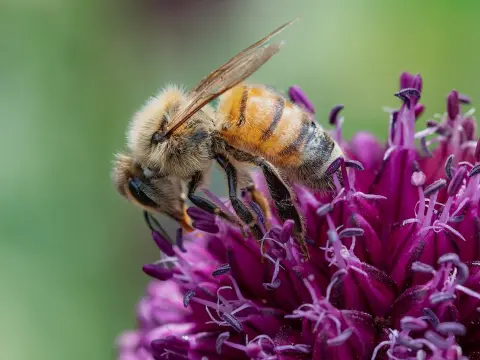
(227,76)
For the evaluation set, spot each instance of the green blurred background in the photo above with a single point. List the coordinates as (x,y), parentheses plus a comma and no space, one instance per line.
(72,74)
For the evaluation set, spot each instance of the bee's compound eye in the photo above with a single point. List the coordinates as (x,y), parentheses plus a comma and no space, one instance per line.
(136,188)
(158,137)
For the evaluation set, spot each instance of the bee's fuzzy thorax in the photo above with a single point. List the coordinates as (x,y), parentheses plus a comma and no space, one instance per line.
(149,118)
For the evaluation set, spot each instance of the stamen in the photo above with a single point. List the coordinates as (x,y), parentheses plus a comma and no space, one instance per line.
(187,297)
(157,271)
(332,118)
(334,166)
(464,99)
(287,230)
(453,105)
(457,181)
(259,213)
(448,167)
(233,321)
(462,273)
(299,97)
(341,338)
(324,209)
(406,94)
(411,323)
(163,244)
(435,187)
(431,316)
(475,171)
(441,297)
(419,109)
(221,270)
(436,339)
(357,165)
(424,145)
(450,257)
(350,232)
(220,340)
(418,266)
(408,342)
(272,285)
(451,328)
(179,240)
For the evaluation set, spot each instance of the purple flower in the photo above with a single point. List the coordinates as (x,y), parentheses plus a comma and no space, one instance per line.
(394,271)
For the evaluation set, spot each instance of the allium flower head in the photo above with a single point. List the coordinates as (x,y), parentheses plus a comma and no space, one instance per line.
(394,271)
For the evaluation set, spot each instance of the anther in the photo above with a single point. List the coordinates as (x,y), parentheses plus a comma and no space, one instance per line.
(424,146)
(462,273)
(450,257)
(357,165)
(220,340)
(179,240)
(324,209)
(298,96)
(457,181)
(332,118)
(453,107)
(411,323)
(475,171)
(448,167)
(349,232)
(441,297)
(464,99)
(341,338)
(435,187)
(437,340)
(419,109)
(157,271)
(334,166)
(418,266)
(187,297)
(233,322)
(432,123)
(221,270)
(431,316)
(408,342)
(406,94)
(451,328)
(273,285)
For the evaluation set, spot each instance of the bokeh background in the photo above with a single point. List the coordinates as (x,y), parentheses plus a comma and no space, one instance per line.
(72,74)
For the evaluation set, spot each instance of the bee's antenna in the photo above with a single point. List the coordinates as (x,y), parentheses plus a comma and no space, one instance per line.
(154,225)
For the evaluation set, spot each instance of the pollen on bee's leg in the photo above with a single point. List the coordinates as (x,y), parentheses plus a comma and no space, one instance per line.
(186,221)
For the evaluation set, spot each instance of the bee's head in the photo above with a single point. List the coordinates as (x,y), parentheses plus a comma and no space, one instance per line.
(152,193)
(180,153)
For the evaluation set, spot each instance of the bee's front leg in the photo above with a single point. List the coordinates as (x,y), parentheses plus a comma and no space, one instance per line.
(202,203)
(240,209)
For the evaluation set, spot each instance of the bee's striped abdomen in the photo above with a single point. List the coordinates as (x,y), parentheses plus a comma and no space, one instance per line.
(264,123)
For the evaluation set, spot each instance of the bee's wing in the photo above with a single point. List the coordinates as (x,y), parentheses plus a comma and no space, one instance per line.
(227,76)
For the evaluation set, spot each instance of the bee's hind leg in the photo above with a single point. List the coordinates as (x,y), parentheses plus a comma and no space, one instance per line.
(280,192)
(241,210)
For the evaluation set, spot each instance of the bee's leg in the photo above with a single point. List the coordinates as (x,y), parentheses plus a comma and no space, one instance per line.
(205,204)
(240,209)
(280,192)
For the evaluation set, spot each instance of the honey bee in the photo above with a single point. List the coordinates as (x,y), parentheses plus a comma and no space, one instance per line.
(181,134)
